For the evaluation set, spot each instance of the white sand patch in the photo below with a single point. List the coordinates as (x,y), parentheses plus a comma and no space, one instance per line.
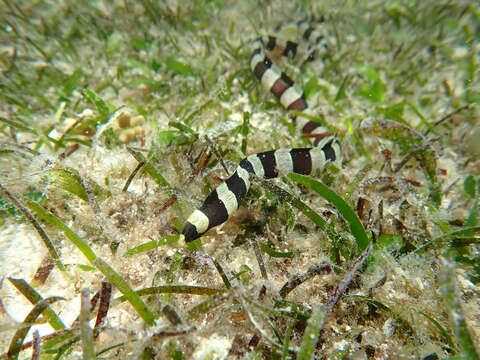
(215,347)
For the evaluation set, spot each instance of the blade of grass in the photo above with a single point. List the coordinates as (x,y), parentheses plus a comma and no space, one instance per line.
(439,327)
(108,349)
(19,336)
(378,304)
(291,311)
(259,257)
(51,341)
(342,206)
(70,180)
(213,263)
(304,208)
(46,239)
(182,127)
(99,103)
(274,253)
(472,219)
(112,276)
(244,130)
(17,125)
(176,289)
(159,179)
(178,67)
(197,112)
(206,306)
(34,297)
(150,245)
(47,340)
(222,273)
(341,93)
(57,223)
(132,175)
(312,332)
(65,348)
(466,232)
(453,306)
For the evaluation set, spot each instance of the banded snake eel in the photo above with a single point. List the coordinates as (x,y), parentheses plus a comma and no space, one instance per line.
(224,200)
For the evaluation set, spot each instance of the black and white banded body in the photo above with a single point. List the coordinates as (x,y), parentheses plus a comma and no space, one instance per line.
(225,199)
(313,40)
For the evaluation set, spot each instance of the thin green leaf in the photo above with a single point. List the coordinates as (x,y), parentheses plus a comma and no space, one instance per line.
(439,327)
(244,130)
(341,93)
(343,208)
(196,112)
(150,245)
(51,344)
(20,334)
(381,306)
(472,219)
(293,310)
(311,87)
(311,334)
(72,83)
(111,275)
(373,87)
(205,306)
(176,289)
(465,232)
(378,304)
(69,234)
(305,209)
(34,297)
(171,137)
(182,127)
(453,306)
(43,234)
(178,67)
(274,253)
(69,180)
(99,103)
(17,125)
(159,179)
(224,276)
(115,279)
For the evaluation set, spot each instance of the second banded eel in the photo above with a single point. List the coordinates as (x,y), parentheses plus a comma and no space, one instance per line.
(225,199)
